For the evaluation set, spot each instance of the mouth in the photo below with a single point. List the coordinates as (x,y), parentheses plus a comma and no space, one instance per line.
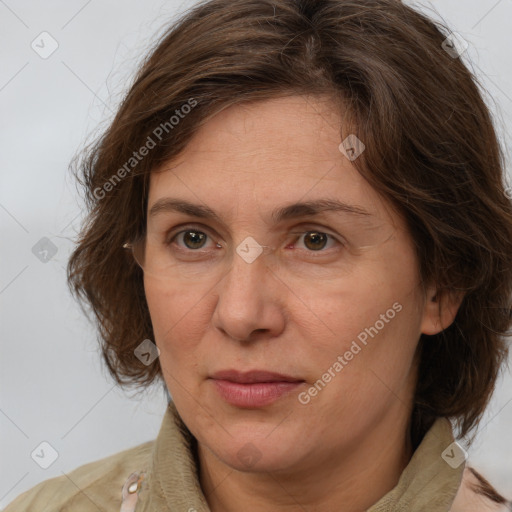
(253,376)
(255,388)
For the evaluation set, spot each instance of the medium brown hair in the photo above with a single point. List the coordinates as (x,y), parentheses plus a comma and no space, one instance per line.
(431,150)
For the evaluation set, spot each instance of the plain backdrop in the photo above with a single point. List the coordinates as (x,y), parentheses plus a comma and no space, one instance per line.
(53,386)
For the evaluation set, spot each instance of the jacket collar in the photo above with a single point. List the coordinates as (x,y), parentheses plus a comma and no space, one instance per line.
(432,478)
(429,483)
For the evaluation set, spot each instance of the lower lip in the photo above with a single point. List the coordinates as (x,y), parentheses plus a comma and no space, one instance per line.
(253,395)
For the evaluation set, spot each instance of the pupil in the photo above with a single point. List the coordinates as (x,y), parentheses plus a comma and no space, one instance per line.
(197,238)
(316,237)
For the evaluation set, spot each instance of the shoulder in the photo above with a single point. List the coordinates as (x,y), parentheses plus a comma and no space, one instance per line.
(476,493)
(91,487)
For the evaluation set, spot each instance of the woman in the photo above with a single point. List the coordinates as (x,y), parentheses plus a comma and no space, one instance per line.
(297,222)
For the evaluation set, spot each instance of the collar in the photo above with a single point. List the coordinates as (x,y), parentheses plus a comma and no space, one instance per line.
(429,483)
(432,478)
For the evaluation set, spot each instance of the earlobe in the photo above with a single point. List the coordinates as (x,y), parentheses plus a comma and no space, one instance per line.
(440,310)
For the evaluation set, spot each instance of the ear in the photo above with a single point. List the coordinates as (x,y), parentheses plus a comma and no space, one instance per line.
(440,310)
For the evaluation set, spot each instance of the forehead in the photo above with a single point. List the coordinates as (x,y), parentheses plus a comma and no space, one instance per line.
(267,155)
(286,131)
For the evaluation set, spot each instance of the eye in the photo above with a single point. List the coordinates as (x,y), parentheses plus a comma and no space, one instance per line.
(315,241)
(193,239)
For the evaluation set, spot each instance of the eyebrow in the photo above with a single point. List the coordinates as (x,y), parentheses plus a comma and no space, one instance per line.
(291,211)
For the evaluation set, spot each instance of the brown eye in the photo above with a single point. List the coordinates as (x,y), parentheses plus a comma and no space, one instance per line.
(194,239)
(315,241)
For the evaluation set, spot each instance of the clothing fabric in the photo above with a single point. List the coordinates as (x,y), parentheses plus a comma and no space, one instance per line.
(162,475)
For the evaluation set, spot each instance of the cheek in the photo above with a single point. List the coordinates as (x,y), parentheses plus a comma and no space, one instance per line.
(348,307)
(176,319)
(371,318)
(367,369)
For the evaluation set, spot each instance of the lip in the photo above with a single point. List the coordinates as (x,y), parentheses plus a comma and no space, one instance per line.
(255,388)
(253,376)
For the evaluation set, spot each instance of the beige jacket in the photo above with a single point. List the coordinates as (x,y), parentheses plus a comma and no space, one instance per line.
(160,476)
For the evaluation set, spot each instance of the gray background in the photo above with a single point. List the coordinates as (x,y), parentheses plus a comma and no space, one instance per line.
(53,387)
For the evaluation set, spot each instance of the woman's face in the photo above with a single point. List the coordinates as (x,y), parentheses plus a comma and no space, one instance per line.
(328,298)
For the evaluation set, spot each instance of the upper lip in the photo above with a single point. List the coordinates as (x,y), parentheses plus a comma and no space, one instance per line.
(253,376)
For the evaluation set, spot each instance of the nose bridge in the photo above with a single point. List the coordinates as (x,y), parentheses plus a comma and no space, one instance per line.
(243,302)
(248,266)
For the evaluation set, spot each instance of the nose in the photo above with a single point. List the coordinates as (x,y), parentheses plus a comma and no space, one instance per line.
(250,302)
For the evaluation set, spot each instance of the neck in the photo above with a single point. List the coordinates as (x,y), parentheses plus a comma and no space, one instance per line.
(356,477)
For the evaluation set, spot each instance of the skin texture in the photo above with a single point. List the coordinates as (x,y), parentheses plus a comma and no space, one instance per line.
(293,310)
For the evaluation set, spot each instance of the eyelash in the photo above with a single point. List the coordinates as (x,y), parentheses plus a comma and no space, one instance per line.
(169,240)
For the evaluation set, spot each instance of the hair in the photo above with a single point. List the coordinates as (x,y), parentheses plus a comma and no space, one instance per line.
(431,151)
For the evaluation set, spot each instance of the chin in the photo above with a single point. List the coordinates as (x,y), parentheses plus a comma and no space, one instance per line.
(250,459)
(253,453)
